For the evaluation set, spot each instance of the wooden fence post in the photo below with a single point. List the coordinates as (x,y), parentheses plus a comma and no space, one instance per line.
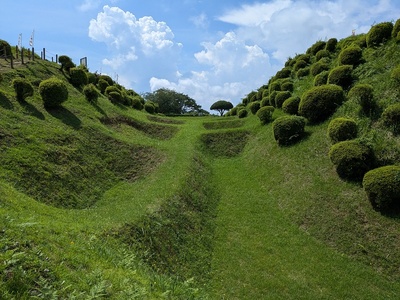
(33,53)
(22,55)
(16,51)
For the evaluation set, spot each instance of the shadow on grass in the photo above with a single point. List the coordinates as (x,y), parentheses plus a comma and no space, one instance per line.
(65,116)
(99,109)
(32,110)
(5,102)
(294,140)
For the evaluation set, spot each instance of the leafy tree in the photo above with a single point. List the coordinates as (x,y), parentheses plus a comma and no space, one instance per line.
(171,102)
(221,106)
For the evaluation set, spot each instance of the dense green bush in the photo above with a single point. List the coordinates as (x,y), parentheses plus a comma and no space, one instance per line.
(115,97)
(103,85)
(306,57)
(391,117)
(53,92)
(291,105)
(319,102)
(92,78)
(395,74)
(300,64)
(317,46)
(331,44)
(265,114)
(274,86)
(342,129)
(66,62)
(107,78)
(350,56)
(23,88)
(382,186)
(281,97)
(321,78)
(303,72)
(364,95)
(287,86)
(341,76)
(91,93)
(5,46)
(284,73)
(254,107)
(288,129)
(78,77)
(379,33)
(322,54)
(242,113)
(352,159)
(137,103)
(272,98)
(264,101)
(110,89)
(396,29)
(149,107)
(318,68)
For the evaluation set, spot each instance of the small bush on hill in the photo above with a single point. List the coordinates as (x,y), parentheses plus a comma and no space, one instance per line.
(137,103)
(319,45)
(352,159)
(281,97)
(306,57)
(382,186)
(149,107)
(331,44)
(265,101)
(364,95)
(396,29)
(254,107)
(342,129)
(242,113)
(391,117)
(318,68)
(23,88)
(272,98)
(321,78)
(274,86)
(395,74)
(92,78)
(103,84)
(322,54)
(112,89)
(300,64)
(53,92)
(288,129)
(291,105)
(265,114)
(350,56)
(319,102)
(66,62)
(5,46)
(287,86)
(78,77)
(91,93)
(284,73)
(303,72)
(379,33)
(341,76)
(107,78)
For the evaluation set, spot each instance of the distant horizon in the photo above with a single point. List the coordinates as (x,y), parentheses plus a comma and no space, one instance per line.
(207,50)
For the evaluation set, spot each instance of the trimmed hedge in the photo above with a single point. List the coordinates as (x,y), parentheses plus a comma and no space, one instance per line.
(284,73)
(318,103)
(272,98)
(350,56)
(137,103)
(321,54)
(319,45)
(281,97)
(291,105)
(303,72)
(395,74)
(102,84)
(318,68)
(91,93)
(288,129)
(352,159)
(78,77)
(254,107)
(23,88)
(287,86)
(5,45)
(364,95)
(66,62)
(265,114)
(391,117)
(242,113)
(379,33)
(342,129)
(53,92)
(382,186)
(321,78)
(300,64)
(331,44)
(341,76)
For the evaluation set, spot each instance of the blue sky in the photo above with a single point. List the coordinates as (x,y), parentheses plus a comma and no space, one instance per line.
(207,49)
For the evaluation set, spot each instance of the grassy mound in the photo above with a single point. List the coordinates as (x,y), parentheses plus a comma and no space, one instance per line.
(223,124)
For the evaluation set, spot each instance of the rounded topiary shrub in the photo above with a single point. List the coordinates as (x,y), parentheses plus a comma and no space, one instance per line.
(287,86)
(92,78)
(53,92)
(284,73)
(364,95)
(115,97)
(288,129)
(331,44)
(137,103)
(265,114)
(272,98)
(149,107)
(341,76)
(110,89)
(396,29)
(274,86)
(395,74)
(5,49)
(78,77)
(91,93)
(107,78)
(305,57)
(321,78)
(318,103)
(379,33)
(102,84)
(318,68)
(242,113)
(254,107)
(350,56)
(352,159)
(319,45)
(391,117)
(264,101)
(23,88)
(281,97)
(300,64)
(66,62)
(303,72)
(342,129)
(321,54)
(382,186)
(291,105)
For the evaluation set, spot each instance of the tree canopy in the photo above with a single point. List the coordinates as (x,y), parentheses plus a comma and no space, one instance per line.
(171,102)
(221,106)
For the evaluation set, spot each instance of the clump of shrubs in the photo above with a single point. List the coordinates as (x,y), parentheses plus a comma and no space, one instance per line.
(254,107)
(287,86)
(291,105)
(318,68)
(300,64)
(150,107)
(321,78)
(288,129)
(284,73)
(318,103)
(242,113)
(342,129)
(391,117)
(395,74)
(321,54)
(66,62)
(103,84)
(265,114)
(331,44)
(379,33)
(53,92)
(364,95)
(382,186)
(91,93)
(319,45)
(303,72)
(272,98)
(78,77)
(137,103)
(23,88)
(396,29)
(281,97)
(341,76)
(352,159)
(350,56)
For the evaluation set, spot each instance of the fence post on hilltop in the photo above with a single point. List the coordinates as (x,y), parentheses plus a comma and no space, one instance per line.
(33,53)
(22,55)
(16,52)
(56,58)
(44,53)
(11,57)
